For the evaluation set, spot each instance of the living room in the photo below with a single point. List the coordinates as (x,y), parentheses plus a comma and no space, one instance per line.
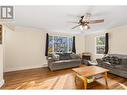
(45,51)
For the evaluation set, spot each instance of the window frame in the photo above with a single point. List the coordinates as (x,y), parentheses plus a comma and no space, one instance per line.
(98,45)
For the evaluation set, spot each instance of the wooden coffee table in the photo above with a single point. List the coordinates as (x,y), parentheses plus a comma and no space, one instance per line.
(84,72)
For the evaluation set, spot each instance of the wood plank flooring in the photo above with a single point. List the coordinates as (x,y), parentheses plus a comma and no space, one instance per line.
(43,78)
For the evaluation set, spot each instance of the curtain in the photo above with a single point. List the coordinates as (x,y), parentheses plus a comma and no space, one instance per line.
(73,45)
(106,43)
(46,46)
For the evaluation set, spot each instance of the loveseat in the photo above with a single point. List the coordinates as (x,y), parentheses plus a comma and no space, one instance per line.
(63,60)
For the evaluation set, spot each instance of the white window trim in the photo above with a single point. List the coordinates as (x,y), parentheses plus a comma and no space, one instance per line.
(98,45)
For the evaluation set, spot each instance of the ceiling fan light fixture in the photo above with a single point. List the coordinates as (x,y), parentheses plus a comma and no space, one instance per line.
(81,27)
(86,27)
(84,22)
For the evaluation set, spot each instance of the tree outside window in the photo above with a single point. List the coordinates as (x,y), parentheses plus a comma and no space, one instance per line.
(60,44)
(100,44)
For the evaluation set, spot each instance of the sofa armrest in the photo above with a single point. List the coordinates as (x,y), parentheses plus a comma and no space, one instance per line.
(50,60)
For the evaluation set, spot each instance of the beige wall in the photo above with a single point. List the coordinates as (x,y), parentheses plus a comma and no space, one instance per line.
(1,65)
(80,44)
(25,48)
(117,41)
(2,58)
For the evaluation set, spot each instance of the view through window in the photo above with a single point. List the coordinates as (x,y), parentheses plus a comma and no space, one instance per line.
(100,44)
(60,44)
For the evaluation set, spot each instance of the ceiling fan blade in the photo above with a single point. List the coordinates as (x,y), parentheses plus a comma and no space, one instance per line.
(96,21)
(76,26)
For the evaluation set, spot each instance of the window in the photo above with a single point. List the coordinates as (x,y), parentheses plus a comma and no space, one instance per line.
(100,44)
(60,44)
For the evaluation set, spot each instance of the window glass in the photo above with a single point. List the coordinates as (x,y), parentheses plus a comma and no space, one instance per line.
(100,45)
(70,44)
(50,46)
(60,44)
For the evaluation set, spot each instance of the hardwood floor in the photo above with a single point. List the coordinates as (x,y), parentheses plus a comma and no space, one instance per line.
(43,78)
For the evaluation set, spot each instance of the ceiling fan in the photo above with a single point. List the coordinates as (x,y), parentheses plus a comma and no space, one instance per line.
(84,22)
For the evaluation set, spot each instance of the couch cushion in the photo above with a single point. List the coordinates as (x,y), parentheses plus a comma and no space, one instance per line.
(67,61)
(122,57)
(64,56)
(124,62)
(74,56)
(121,67)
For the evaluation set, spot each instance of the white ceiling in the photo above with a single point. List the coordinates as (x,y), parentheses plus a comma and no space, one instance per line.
(58,18)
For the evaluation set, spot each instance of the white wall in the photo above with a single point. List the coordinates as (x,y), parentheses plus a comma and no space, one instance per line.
(117,41)
(25,48)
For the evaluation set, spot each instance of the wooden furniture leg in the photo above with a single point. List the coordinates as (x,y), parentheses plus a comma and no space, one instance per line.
(85,83)
(106,83)
(75,78)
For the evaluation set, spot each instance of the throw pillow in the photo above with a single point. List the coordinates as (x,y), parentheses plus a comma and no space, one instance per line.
(55,57)
(112,59)
(64,56)
(116,60)
(106,59)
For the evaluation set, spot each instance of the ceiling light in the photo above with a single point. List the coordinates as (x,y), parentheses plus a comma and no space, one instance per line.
(81,27)
(86,27)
